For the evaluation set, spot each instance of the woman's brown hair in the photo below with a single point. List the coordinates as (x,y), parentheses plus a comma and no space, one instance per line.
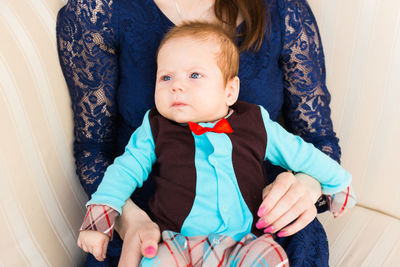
(255,14)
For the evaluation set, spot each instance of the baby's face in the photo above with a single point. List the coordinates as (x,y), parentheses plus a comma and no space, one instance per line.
(190,85)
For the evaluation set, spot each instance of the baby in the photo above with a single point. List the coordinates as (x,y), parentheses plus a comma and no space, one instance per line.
(207,151)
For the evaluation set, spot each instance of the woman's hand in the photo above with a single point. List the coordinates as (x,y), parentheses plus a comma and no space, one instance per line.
(288,199)
(140,235)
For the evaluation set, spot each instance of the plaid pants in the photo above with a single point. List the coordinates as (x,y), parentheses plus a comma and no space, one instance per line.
(217,250)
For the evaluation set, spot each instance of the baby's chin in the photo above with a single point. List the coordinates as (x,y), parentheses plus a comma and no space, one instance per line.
(180,118)
(183,120)
(184,117)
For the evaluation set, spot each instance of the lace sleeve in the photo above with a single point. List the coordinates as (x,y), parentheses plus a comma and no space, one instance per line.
(85,39)
(306,106)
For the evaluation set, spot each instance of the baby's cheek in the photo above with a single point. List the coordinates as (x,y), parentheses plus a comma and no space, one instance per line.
(161,102)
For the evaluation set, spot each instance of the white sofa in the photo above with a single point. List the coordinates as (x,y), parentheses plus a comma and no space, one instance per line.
(41,201)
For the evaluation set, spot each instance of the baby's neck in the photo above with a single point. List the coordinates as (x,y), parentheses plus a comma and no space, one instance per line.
(228,114)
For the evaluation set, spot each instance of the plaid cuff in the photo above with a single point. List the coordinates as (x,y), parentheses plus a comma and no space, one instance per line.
(345,199)
(100,218)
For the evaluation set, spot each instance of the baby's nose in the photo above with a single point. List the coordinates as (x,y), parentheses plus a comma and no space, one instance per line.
(177,87)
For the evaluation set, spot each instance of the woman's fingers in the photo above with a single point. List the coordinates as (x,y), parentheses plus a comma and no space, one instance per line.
(275,192)
(302,221)
(149,240)
(296,218)
(130,254)
(141,242)
(284,206)
(266,191)
(289,216)
(286,201)
(290,206)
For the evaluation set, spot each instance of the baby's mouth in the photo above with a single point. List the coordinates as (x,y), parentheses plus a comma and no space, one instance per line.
(177,104)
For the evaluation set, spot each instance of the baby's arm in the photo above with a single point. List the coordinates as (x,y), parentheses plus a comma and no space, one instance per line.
(97,230)
(121,178)
(293,153)
(128,170)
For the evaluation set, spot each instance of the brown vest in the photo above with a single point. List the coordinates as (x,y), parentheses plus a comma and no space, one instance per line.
(175,174)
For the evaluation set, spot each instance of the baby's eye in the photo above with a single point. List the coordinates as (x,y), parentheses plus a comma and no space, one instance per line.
(195,75)
(165,78)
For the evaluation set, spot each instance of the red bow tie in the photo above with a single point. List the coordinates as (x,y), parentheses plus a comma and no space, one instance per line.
(220,127)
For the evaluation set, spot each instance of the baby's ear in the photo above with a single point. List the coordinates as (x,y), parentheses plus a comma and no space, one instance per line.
(232,90)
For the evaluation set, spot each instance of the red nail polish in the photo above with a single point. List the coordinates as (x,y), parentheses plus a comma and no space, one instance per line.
(150,250)
(281,234)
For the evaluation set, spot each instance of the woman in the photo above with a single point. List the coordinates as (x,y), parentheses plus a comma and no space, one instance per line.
(107,52)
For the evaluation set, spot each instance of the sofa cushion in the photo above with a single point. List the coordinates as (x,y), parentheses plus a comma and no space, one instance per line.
(362,237)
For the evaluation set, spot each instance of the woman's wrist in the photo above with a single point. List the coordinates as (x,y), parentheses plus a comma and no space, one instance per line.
(132,218)
(313,186)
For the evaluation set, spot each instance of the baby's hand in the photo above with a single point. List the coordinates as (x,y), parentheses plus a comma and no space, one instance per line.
(340,202)
(94,242)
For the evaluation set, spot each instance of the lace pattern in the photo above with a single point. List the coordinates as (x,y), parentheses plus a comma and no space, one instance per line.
(306,102)
(88,59)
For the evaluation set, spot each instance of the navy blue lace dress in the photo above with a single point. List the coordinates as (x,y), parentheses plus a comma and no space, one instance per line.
(107,53)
